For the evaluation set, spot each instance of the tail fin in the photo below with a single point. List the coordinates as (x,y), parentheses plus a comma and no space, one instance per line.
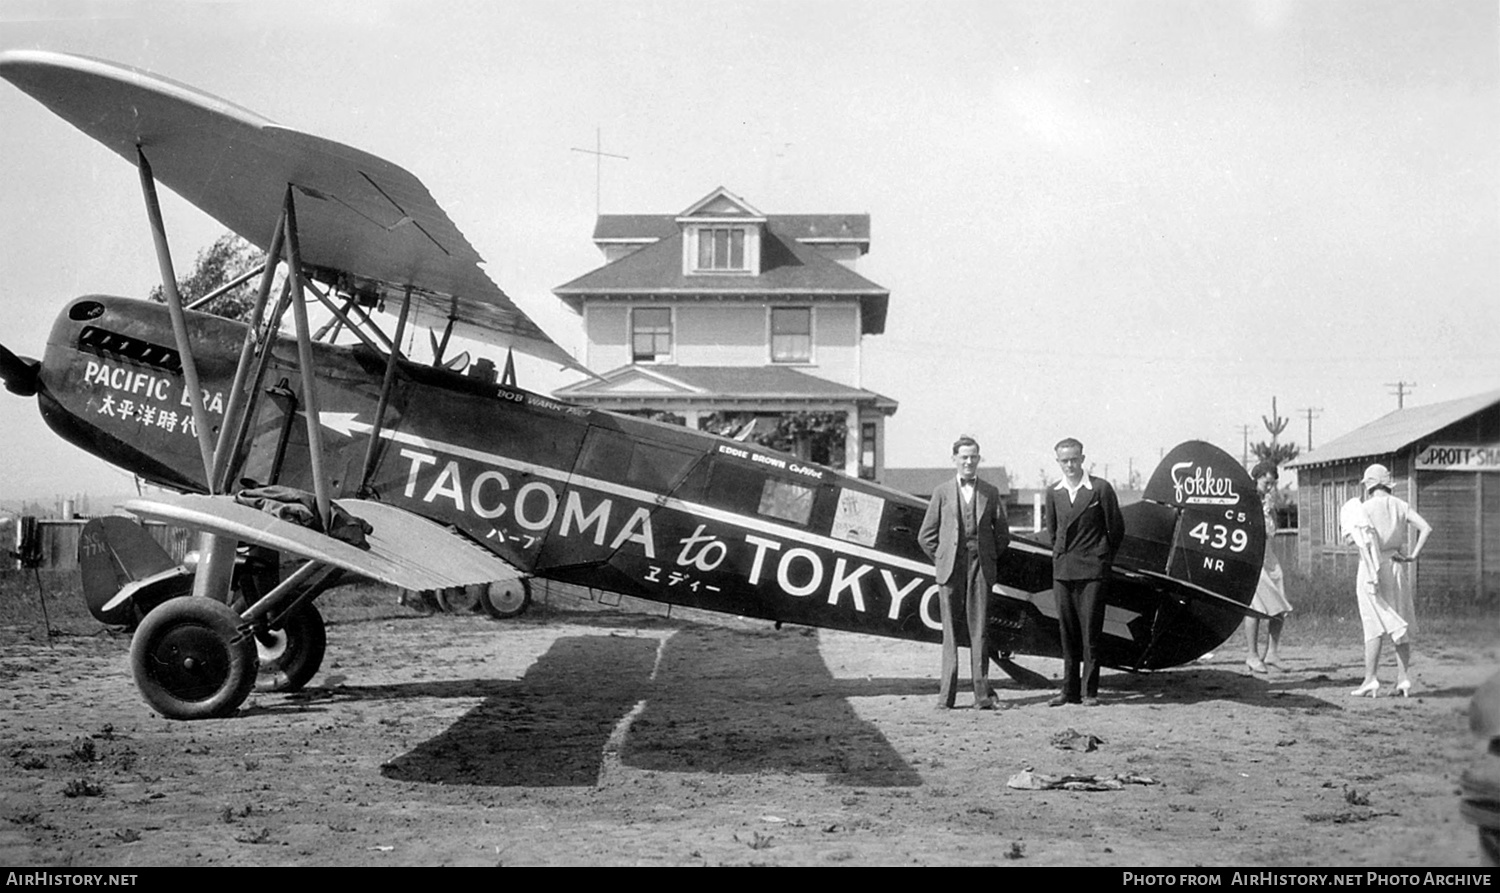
(116,554)
(1200,522)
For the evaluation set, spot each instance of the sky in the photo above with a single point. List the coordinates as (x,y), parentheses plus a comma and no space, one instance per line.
(1135,222)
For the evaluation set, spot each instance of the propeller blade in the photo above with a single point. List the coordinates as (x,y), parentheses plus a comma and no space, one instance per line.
(18,373)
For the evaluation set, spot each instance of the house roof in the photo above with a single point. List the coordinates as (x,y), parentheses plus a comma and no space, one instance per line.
(789,269)
(922,481)
(718,383)
(1396,431)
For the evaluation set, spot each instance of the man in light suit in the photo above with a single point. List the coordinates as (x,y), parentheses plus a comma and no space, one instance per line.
(964,532)
(1082,515)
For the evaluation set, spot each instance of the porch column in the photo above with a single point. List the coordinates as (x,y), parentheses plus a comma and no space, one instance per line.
(852,440)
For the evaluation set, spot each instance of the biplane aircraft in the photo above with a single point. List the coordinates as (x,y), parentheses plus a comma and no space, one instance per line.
(468,486)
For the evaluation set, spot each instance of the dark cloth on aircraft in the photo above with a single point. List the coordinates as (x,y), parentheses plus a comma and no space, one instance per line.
(1086,531)
(301,508)
(965,540)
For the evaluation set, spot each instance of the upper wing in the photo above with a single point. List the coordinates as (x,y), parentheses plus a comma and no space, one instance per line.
(357,214)
(406,551)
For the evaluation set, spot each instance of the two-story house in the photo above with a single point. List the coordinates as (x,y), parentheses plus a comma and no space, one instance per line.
(722,311)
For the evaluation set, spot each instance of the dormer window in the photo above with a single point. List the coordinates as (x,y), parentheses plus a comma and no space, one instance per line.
(721,248)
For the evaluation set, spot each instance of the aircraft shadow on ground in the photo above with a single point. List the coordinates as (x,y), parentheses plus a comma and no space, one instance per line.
(1188,685)
(722,701)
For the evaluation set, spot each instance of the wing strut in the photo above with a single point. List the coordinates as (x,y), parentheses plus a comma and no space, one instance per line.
(341,316)
(336,323)
(442,347)
(241,400)
(234,283)
(385,397)
(305,359)
(265,337)
(179,321)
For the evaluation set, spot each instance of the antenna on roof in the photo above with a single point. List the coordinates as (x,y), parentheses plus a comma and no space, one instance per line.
(599,156)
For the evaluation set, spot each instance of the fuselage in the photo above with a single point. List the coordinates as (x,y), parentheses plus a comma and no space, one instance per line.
(560,491)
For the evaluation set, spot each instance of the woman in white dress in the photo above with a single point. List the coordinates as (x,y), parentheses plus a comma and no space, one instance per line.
(1270,593)
(1381,527)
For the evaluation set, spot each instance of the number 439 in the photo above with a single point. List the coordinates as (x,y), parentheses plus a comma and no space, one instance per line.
(1220,537)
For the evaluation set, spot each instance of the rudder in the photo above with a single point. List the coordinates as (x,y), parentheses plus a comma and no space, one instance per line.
(1200,522)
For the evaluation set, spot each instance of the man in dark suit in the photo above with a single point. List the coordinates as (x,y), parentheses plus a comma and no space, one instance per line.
(964,532)
(1082,515)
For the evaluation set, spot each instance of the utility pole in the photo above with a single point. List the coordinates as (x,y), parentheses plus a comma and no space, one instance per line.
(1311,413)
(1402,388)
(599,156)
(1245,448)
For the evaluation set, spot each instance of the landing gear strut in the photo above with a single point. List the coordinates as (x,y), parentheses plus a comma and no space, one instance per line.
(1022,676)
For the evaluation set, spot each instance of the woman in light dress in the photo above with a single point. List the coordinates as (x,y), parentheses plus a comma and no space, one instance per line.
(1270,593)
(1380,527)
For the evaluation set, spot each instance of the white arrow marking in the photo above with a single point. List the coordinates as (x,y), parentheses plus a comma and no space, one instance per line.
(1116,619)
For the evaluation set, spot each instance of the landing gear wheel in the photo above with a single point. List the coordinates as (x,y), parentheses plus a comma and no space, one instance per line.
(185,663)
(290,656)
(507,598)
(460,599)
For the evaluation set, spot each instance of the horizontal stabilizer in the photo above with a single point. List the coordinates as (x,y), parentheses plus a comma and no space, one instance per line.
(1190,592)
(406,550)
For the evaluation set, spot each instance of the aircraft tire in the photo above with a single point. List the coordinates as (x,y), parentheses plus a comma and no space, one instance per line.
(291,656)
(460,599)
(186,662)
(507,598)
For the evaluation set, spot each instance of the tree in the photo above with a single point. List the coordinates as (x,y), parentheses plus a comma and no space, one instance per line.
(228,258)
(1274,452)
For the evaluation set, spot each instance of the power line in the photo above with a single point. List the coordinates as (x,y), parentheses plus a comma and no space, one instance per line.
(1402,388)
(1311,413)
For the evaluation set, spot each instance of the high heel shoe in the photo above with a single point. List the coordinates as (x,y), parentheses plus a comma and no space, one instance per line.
(1369,689)
(1403,688)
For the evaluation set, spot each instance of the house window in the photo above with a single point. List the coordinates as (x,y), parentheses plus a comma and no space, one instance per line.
(867,451)
(650,334)
(791,334)
(1334,495)
(721,248)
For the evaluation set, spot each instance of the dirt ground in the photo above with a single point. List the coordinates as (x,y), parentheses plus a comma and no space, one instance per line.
(574,737)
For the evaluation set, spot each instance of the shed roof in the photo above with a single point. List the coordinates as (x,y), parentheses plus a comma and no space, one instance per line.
(922,481)
(1396,430)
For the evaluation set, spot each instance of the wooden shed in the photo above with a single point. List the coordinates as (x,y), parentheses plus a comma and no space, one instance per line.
(1444,460)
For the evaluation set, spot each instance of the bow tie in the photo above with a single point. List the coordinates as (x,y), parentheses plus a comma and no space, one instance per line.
(964,483)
